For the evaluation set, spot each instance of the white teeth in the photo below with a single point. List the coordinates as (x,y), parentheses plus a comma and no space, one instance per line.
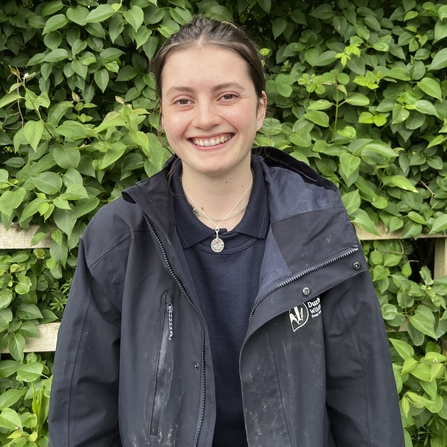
(212,141)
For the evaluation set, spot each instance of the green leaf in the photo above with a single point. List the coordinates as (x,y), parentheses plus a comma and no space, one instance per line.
(66,157)
(113,154)
(426,107)
(439,224)
(99,14)
(11,200)
(75,192)
(440,60)
(29,330)
(440,30)
(52,7)
(78,14)
(150,47)
(16,345)
(9,397)
(126,74)
(301,138)
(10,420)
(142,36)
(112,119)
(349,163)
(85,206)
(398,73)
(23,286)
(422,372)
(321,104)
(415,217)
(351,201)
(399,181)
(65,220)
(9,98)
(424,321)
(134,17)
(6,297)
(102,79)
(431,87)
(278,27)
(325,58)
(266,5)
(319,118)
(54,23)
(56,55)
(8,367)
(48,182)
(72,130)
(403,348)
(28,312)
(362,219)
(379,147)
(323,12)
(29,372)
(357,99)
(33,132)
(79,68)
(5,318)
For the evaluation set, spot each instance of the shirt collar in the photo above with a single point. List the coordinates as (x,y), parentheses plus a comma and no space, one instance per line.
(253,224)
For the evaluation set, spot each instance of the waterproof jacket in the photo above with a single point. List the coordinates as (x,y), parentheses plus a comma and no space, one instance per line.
(133,364)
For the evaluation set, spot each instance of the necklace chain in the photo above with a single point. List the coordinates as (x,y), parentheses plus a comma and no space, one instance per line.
(217,244)
(198,212)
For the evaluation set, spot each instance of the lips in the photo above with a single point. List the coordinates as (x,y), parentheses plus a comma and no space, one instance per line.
(209,142)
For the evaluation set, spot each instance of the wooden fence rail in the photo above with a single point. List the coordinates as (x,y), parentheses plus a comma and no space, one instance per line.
(16,238)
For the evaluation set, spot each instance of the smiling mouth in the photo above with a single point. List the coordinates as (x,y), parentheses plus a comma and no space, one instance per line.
(202,142)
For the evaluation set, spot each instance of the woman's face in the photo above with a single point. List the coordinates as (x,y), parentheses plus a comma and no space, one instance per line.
(210,110)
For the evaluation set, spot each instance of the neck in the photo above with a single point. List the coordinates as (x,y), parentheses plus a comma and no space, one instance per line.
(219,196)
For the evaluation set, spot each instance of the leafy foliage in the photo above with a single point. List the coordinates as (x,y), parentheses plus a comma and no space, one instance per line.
(356,89)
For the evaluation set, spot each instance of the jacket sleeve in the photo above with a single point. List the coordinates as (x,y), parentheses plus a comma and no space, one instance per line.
(362,400)
(84,395)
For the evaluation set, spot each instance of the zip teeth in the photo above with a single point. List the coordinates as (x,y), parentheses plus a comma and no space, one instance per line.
(182,288)
(301,274)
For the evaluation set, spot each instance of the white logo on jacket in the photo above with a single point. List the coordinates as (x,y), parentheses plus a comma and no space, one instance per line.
(299,315)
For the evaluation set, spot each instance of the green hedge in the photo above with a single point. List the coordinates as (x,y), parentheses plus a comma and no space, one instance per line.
(356,89)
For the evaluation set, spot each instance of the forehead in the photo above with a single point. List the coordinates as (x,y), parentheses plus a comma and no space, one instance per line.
(204,66)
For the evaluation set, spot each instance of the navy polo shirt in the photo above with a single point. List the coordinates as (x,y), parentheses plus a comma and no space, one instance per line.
(226,285)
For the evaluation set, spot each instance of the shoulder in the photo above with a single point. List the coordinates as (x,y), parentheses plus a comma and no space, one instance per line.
(294,187)
(113,225)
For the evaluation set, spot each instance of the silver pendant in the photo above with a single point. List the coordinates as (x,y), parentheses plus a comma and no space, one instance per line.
(217,244)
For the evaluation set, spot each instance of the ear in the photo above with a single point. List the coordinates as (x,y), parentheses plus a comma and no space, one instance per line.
(262,109)
(161,121)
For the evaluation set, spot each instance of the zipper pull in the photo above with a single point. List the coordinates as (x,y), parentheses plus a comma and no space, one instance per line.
(170,321)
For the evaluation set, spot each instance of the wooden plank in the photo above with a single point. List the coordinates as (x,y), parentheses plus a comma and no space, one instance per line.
(440,258)
(46,342)
(386,234)
(16,238)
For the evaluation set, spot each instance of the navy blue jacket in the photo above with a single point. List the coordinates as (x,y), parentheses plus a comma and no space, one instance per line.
(133,364)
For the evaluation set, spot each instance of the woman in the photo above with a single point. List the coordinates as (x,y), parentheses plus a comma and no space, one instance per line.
(225,301)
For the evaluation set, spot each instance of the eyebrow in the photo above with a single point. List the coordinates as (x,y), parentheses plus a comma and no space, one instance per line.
(222,86)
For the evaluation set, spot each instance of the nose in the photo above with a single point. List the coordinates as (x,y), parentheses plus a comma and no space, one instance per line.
(206,114)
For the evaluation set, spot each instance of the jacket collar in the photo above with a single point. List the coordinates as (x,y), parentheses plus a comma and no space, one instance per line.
(306,212)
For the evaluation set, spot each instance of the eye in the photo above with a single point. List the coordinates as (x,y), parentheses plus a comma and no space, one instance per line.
(228,96)
(182,102)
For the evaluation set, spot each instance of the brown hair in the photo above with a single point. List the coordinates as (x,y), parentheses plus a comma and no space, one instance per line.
(201,31)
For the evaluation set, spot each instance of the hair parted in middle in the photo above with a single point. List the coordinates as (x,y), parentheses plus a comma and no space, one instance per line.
(201,31)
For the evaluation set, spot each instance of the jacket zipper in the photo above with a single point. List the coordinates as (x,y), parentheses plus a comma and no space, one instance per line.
(167,334)
(182,288)
(301,274)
